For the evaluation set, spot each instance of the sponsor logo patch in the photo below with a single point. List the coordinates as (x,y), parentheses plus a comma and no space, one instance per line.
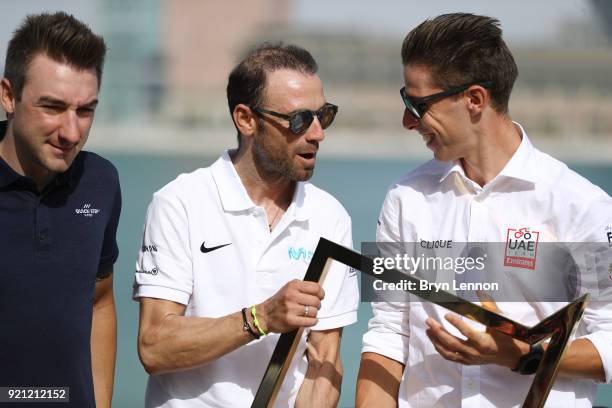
(609,234)
(149,248)
(153,271)
(521,248)
(87,211)
(205,249)
(300,254)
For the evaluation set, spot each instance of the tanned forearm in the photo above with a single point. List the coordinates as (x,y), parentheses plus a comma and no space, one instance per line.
(582,360)
(174,342)
(323,380)
(103,343)
(169,341)
(378,381)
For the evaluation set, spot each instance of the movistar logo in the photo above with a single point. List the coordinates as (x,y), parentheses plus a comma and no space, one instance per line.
(300,254)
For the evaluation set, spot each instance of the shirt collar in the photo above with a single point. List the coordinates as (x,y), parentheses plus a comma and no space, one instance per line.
(298,207)
(234,196)
(232,193)
(520,164)
(518,167)
(7,174)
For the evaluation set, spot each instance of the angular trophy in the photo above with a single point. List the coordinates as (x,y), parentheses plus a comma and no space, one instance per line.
(559,326)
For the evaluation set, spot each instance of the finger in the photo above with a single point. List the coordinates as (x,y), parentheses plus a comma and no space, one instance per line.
(450,355)
(302,321)
(305,310)
(311,301)
(448,341)
(473,335)
(310,288)
(487,302)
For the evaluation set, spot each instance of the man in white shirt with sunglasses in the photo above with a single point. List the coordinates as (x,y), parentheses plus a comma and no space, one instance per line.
(487,183)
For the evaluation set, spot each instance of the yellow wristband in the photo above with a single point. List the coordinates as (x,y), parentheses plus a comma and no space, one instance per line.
(256,322)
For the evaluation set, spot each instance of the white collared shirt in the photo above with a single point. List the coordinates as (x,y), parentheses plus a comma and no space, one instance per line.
(438,202)
(208,208)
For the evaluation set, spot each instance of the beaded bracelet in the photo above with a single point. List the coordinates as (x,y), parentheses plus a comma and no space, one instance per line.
(256,322)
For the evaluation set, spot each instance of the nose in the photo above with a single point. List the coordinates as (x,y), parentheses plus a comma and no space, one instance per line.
(409,121)
(69,131)
(315,132)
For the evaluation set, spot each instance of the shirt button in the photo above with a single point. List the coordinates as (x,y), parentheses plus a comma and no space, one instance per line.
(42,236)
(471,384)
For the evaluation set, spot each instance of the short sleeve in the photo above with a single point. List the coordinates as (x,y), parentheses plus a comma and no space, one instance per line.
(592,251)
(110,250)
(388,330)
(164,266)
(339,307)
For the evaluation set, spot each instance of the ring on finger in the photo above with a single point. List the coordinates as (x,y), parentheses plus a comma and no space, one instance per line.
(306,310)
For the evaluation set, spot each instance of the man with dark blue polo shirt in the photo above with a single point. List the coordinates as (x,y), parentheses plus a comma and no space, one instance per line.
(59,209)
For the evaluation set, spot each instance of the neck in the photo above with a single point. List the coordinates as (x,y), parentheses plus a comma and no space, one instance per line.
(264,189)
(13,156)
(494,145)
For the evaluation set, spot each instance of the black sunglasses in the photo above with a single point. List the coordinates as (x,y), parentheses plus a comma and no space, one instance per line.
(300,121)
(418,106)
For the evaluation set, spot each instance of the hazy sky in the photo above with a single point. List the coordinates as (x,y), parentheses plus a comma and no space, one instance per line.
(523,21)
(13,13)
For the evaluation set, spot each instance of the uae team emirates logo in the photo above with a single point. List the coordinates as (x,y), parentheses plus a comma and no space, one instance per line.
(521,248)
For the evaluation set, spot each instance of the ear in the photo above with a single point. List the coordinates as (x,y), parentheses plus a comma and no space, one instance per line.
(478,99)
(244,119)
(7,96)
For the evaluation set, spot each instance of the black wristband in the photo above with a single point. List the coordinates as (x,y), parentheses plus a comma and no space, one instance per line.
(529,363)
(246,326)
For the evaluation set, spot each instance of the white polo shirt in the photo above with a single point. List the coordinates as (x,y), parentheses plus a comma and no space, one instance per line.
(438,202)
(209,208)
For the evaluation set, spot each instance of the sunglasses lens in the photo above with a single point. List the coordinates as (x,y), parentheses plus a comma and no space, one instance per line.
(414,110)
(300,122)
(326,115)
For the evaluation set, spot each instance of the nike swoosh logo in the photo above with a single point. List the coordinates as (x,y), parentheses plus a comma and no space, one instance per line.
(205,250)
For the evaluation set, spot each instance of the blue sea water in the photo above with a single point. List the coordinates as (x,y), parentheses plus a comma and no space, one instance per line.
(359,184)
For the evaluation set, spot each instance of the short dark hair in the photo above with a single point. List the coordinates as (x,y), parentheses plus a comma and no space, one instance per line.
(58,35)
(247,81)
(461,48)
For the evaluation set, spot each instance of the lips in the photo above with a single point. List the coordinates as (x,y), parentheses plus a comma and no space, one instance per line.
(61,149)
(307,156)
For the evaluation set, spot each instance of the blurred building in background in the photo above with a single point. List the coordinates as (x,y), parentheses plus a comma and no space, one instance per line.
(168,62)
(134,73)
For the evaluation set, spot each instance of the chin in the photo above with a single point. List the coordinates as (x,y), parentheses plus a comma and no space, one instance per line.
(443,156)
(58,166)
(303,175)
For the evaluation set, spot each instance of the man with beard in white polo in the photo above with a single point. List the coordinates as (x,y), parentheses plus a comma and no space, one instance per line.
(225,248)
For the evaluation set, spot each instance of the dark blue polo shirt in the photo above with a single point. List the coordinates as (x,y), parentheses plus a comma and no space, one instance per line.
(52,245)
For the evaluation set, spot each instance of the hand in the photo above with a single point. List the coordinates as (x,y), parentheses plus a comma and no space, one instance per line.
(489,347)
(286,309)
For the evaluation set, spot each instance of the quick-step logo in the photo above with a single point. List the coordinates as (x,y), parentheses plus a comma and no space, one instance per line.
(87,211)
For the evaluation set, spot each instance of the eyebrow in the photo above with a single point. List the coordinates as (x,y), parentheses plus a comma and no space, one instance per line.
(49,100)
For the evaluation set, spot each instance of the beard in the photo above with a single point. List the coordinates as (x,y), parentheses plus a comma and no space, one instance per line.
(276,160)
